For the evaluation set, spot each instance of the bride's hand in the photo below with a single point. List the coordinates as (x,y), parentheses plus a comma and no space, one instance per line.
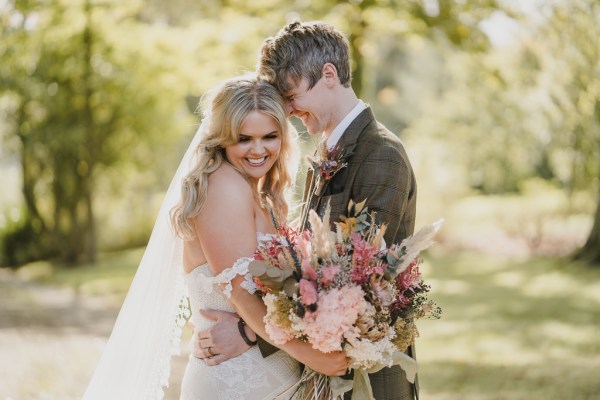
(333,364)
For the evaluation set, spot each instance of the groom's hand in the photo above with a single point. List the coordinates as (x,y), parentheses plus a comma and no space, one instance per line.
(221,341)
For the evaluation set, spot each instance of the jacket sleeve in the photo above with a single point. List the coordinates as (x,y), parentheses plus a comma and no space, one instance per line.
(385,178)
(266,348)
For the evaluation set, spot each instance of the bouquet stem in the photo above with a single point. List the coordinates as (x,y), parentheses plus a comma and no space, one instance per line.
(314,386)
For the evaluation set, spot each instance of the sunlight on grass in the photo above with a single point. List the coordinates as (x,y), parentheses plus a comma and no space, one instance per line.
(107,285)
(591,292)
(550,285)
(112,274)
(557,331)
(511,279)
(38,270)
(510,330)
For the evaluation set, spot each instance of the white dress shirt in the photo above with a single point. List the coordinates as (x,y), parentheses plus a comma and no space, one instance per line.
(339,130)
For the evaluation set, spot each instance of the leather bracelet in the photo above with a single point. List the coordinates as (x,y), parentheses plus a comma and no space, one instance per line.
(241,324)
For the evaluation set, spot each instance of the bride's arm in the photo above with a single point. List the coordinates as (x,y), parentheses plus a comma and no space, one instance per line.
(227,232)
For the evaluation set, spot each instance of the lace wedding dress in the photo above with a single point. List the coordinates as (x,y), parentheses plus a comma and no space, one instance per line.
(246,377)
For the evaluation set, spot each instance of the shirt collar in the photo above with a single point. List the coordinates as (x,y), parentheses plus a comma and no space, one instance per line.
(339,130)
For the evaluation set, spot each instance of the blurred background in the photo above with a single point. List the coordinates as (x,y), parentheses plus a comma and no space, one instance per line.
(497,102)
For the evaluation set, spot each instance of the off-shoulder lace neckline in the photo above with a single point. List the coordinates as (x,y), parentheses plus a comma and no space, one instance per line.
(259,235)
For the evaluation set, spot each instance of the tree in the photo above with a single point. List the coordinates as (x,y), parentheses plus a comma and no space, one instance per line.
(82,96)
(79,97)
(371,25)
(572,31)
(365,21)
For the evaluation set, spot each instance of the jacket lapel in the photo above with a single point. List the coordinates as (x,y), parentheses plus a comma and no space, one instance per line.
(350,137)
(347,144)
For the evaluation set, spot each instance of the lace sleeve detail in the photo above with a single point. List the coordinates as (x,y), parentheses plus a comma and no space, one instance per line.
(240,267)
(249,284)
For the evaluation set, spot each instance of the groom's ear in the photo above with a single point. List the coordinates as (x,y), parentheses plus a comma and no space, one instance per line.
(330,75)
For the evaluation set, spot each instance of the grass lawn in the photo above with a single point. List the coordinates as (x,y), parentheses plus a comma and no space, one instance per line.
(112,274)
(511,330)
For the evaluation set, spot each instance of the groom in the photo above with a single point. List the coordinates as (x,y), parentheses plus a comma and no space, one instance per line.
(310,65)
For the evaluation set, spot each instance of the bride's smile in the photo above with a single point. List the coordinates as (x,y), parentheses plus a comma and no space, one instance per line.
(258,146)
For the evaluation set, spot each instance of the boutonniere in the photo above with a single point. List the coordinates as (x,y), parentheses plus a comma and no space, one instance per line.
(327,163)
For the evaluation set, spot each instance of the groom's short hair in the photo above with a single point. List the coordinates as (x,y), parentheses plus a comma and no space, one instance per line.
(300,50)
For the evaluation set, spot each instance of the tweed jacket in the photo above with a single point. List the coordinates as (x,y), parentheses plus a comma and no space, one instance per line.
(378,171)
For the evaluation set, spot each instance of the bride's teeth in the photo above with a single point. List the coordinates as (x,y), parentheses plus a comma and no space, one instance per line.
(256,161)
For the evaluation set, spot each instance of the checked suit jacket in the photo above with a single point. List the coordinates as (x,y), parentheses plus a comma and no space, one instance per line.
(379,172)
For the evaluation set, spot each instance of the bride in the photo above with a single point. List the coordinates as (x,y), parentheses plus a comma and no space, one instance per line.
(224,198)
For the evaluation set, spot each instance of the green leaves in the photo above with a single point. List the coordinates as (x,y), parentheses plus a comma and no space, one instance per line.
(273,277)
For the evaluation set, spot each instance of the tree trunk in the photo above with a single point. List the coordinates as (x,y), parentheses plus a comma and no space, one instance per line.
(28,177)
(591,250)
(89,228)
(355,40)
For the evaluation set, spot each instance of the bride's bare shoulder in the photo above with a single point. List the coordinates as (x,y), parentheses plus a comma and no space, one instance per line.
(227,185)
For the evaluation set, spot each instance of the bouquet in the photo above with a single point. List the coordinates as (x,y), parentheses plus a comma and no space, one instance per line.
(344,290)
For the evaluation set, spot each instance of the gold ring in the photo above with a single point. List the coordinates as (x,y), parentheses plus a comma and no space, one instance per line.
(210,353)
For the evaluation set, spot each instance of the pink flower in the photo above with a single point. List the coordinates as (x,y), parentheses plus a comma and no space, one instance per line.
(308,270)
(304,244)
(308,291)
(363,251)
(278,335)
(365,260)
(329,273)
(410,278)
(333,322)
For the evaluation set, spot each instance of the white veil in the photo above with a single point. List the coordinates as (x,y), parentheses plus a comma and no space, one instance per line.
(136,361)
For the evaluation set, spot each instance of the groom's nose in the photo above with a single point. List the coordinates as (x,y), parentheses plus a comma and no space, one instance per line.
(289,108)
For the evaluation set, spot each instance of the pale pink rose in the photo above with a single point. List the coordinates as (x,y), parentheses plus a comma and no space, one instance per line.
(329,273)
(308,291)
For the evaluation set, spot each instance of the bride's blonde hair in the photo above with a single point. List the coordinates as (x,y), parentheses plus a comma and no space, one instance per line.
(229,104)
